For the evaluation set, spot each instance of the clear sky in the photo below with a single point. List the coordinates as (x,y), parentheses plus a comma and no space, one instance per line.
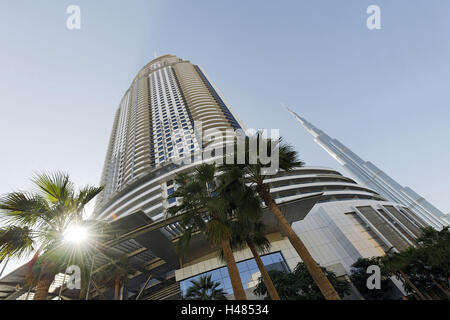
(384,93)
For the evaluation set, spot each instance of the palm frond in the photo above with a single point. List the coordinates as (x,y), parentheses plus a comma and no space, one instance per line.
(205,173)
(216,231)
(55,187)
(15,241)
(288,157)
(23,208)
(86,194)
(183,242)
(204,289)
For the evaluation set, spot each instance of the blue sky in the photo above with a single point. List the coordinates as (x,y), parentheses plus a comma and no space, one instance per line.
(384,93)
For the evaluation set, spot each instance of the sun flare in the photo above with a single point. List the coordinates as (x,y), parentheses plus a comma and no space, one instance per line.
(76,234)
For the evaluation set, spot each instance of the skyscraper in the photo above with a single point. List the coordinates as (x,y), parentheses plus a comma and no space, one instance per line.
(153,126)
(367,174)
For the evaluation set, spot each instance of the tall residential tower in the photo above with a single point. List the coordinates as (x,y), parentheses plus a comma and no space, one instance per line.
(153,126)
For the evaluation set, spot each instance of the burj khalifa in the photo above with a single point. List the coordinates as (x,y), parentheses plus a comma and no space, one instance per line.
(369,175)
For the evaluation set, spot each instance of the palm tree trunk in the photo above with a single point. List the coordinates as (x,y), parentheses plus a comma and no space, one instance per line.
(44,283)
(123,292)
(236,283)
(116,288)
(427,295)
(265,275)
(316,273)
(433,294)
(447,293)
(4,266)
(406,278)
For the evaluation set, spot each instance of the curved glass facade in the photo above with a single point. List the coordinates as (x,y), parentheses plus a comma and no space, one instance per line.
(248,270)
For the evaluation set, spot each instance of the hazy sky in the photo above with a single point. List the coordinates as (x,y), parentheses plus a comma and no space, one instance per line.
(384,93)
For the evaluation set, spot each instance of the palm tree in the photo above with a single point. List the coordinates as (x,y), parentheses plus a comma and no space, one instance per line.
(254,175)
(114,274)
(204,209)
(246,227)
(252,234)
(205,289)
(39,219)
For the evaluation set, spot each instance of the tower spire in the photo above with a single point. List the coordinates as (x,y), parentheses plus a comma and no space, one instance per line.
(367,174)
(308,126)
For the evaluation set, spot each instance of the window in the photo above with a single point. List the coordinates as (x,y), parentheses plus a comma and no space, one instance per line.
(248,271)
